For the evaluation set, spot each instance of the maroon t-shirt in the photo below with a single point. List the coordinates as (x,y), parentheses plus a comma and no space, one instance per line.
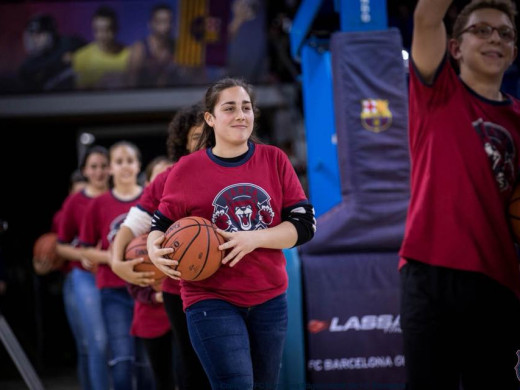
(103,217)
(464,154)
(72,213)
(248,194)
(150,319)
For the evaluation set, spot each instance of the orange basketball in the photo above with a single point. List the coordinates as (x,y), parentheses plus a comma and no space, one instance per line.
(513,213)
(44,249)
(137,248)
(195,242)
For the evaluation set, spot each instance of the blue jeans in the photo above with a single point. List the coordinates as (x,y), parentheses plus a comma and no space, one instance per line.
(129,365)
(83,309)
(239,347)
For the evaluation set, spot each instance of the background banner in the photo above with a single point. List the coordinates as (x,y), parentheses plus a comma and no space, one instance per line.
(352,319)
(371,113)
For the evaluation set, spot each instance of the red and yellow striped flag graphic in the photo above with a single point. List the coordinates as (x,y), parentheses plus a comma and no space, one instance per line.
(191,44)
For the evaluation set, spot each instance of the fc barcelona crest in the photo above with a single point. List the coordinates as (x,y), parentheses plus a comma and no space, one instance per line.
(375,115)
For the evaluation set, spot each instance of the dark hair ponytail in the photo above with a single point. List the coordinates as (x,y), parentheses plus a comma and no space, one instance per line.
(207,139)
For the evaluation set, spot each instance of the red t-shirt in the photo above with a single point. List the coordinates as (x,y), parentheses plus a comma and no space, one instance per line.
(464,154)
(150,319)
(153,192)
(72,213)
(149,202)
(249,194)
(102,219)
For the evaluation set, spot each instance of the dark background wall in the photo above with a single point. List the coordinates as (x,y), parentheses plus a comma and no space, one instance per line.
(36,159)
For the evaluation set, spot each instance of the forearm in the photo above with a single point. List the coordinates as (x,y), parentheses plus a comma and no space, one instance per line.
(69,252)
(122,239)
(97,256)
(430,13)
(281,236)
(429,41)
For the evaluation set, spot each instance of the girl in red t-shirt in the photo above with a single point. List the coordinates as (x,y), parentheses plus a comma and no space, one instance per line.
(183,135)
(237,318)
(127,357)
(80,294)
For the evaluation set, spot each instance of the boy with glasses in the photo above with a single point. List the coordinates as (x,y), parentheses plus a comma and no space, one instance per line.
(460,279)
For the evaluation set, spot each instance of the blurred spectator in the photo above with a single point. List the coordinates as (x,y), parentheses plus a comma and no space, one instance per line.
(156,166)
(247,48)
(102,63)
(48,63)
(243,11)
(151,61)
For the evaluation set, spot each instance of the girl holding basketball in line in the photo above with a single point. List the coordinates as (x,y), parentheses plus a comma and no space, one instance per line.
(104,215)
(184,132)
(150,322)
(80,294)
(237,318)
(78,182)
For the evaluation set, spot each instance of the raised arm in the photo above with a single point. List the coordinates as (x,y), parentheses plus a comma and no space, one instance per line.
(429,42)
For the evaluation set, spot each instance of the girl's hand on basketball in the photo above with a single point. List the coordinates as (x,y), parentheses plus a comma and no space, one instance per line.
(157,257)
(237,245)
(125,270)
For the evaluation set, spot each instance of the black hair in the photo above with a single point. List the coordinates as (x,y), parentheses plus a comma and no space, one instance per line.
(129,144)
(94,149)
(108,13)
(160,7)
(180,126)
(151,165)
(42,23)
(207,139)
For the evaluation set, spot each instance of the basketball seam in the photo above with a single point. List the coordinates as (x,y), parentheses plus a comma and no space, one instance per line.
(208,242)
(199,225)
(187,246)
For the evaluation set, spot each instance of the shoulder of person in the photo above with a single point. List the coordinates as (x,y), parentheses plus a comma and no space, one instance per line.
(270,150)
(190,158)
(83,50)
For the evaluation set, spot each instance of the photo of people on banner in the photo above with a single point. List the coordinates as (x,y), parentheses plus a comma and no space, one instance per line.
(106,45)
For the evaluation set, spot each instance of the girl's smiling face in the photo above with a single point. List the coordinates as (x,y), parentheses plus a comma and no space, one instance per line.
(232,118)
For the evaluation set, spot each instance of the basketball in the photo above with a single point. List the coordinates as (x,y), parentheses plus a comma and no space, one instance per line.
(513,214)
(44,249)
(137,248)
(195,243)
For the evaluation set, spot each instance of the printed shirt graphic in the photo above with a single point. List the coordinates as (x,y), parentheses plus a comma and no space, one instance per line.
(464,153)
(242,206)
(103,217)
(500,149)
(244,196)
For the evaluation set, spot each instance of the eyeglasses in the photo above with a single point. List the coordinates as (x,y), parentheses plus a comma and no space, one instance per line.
(484,31)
